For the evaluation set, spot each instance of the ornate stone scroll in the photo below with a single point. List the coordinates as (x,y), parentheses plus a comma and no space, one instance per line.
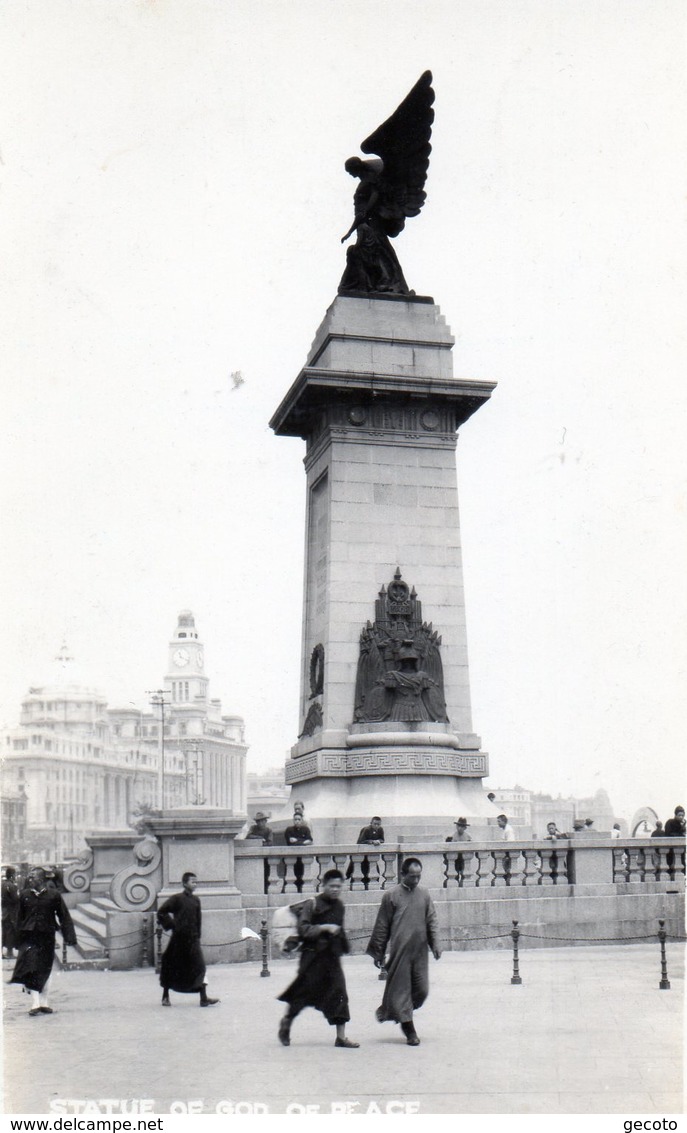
(77,876)
(133,888)
(400,674)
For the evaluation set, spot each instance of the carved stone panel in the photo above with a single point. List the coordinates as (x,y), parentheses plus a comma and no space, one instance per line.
(400,673)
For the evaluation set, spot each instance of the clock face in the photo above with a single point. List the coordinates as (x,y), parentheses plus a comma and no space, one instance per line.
(199,658)
(181,657)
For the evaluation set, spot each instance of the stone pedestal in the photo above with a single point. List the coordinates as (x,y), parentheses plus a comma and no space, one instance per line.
(201,840)
(378,407)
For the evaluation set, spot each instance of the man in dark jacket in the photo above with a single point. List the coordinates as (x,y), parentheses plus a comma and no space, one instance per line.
(183,965)
(10,912)
(320,982)
(675,826)
(40,911)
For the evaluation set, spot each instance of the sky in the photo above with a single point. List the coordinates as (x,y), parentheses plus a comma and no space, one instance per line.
(173,200)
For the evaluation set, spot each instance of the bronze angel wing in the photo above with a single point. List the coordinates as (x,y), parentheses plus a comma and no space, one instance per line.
(403,143)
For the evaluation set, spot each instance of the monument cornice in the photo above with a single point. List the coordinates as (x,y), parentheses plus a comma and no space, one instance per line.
(316,387)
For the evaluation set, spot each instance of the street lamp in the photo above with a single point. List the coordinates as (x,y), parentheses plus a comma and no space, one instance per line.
(158,697)
(194,771)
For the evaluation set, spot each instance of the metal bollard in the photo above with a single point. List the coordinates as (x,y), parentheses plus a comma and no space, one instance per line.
(665,982)
(515,978)
(158,960)
(264,936)
(145,959)
(64,954)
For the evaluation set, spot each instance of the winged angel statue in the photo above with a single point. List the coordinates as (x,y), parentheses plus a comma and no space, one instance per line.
(391,188)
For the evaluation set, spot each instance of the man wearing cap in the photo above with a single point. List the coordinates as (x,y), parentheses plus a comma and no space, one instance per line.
(40,911)
(460,835)
(261,830)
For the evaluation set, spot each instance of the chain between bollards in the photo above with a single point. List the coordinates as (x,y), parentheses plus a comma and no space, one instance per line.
(158,952)
(515,978)
(665,982)
(264,936)
(145,960)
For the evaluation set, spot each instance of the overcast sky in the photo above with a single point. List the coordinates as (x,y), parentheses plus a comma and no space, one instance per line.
(173,197)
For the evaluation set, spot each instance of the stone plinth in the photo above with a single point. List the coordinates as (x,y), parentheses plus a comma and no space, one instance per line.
(201,840)
(378,407)
(112,852)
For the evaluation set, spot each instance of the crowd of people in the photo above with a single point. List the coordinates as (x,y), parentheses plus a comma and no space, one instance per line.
(404,933)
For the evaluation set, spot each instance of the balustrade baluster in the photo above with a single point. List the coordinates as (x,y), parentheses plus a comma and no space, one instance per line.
(500,875)
(483,868)
(275,874)
(548,867)
(619,865)
(341,862)
(468,880)
(356,867)
(633,872)
(662,868)
(375,876)
(290,881)
(304,874)
(324,863)
(388,878)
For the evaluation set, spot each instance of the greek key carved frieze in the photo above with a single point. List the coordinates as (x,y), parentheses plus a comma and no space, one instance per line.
(400,674)
(395,762)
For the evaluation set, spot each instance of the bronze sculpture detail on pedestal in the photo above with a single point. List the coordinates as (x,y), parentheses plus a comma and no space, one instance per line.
(400,674)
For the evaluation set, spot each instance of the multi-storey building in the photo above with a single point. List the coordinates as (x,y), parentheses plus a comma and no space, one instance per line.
(531,809)
(86,767)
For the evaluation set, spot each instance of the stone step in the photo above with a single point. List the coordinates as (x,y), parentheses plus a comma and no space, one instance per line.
(76,962)
(92,910)
(86,925)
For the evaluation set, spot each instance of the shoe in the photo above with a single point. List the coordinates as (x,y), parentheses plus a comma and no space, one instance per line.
(347,1043)
(165,1003)
(379,1015)
(284,1033)
(208,1002)
(46,1010)
(413,1040)
(35,1011)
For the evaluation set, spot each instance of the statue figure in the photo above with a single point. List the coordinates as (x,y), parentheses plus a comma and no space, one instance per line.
(400,674)
(391,188)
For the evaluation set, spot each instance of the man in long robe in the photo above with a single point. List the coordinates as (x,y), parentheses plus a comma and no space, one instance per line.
(40,911)
(183,965)
(10,912)
(407,928)
(320,982)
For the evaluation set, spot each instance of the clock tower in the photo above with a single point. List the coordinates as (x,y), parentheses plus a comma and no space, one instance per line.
(186,683)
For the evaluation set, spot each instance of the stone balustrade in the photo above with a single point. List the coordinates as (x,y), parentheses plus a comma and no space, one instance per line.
(576,890)
(470,865)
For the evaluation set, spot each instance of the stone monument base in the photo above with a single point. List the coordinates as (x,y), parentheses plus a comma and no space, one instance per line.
(418,792)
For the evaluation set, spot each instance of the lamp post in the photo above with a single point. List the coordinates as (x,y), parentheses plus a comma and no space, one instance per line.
(158,698)
(194,771)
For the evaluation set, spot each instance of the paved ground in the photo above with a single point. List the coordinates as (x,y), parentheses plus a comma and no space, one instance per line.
(589,1031)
